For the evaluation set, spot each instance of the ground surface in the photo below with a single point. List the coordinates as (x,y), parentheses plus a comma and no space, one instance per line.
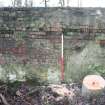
(24,94)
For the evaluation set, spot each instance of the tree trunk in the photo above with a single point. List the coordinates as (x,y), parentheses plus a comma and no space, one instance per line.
(93,85)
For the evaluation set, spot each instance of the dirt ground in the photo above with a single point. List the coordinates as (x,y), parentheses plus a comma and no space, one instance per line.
(63,94)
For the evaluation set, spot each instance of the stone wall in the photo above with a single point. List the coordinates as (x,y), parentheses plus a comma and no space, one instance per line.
(30,42)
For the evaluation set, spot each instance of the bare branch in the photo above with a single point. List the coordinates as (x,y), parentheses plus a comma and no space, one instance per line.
(28,3)
(62,3)
(45,2)
(4,100)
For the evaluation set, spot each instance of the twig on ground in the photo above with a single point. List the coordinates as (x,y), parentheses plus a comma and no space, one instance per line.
(4,100)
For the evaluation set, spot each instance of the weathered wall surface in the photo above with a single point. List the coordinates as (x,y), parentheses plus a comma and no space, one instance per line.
(36,18)
(25,52)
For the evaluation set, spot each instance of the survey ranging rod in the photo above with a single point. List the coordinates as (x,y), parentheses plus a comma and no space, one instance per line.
(62,57)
